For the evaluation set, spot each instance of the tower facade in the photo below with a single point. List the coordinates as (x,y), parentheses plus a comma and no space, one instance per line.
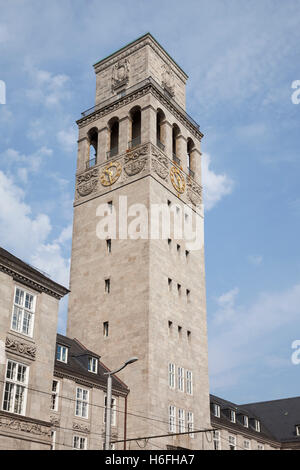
(137,288)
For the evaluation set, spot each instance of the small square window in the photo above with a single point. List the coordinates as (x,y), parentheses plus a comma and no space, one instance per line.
(108,245)
(107,286)
(105,329)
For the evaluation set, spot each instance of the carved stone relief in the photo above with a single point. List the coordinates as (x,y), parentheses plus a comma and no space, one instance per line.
(120,74)
(20,347)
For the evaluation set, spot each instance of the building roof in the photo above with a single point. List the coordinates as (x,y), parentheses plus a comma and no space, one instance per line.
(77,366)
(280,416)
(28,275)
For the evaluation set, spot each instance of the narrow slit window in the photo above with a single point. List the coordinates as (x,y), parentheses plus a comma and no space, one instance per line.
(108,245)
(170,284)
(107,286)
(105,329)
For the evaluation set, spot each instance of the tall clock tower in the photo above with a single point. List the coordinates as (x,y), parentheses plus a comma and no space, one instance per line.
(143,294)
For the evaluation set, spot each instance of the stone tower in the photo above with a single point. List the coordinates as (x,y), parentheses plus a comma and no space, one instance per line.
(142,295)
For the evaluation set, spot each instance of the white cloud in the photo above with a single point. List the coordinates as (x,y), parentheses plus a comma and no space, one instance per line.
(215,186)
(67,139)
(29,163)
(249,333)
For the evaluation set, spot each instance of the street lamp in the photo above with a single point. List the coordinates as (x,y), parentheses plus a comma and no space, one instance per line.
(108,399)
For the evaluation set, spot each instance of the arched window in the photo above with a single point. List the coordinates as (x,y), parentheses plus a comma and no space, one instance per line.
(135,115)
(160,116)
(190,148)
(175,134)
(113,138)
(93,146)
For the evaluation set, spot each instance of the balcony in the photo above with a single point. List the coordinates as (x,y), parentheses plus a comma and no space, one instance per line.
(112,152)
(134,143)
(160,145)
(92,162)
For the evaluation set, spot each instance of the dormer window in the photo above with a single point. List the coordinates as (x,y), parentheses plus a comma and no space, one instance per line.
(93,365)
(232,416)
(62,353)
(216,410)
(298,430)
(245,421)
(257,425)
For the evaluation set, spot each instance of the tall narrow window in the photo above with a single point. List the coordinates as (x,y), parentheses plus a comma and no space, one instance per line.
(93,365)
(178,249)
(135,128)
(105,329)
(110,206)
(114,138)
(179,289)
(62,353)
(93,150)
(232,442)
(217,440)
(257,425)
(108,245)
(107,286)
(245,421)
(216,410)
(180,379)
(187,253)
(79,443)
(23,312)
(190,148)
(172,418)
(14,398)
(113,411)
(53,439)
(232,416)
(172,375)
(181,420)
(159,134)
(188,295)
(82,402)
(175,135)
(189,382)
(170,284)
(190,423)
(54,395)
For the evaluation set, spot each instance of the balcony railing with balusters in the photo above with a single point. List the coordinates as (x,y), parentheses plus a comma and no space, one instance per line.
(112,152)
(134,142)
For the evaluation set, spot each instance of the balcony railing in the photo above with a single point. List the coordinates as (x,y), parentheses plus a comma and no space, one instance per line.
(191,173)
(147,81)
(112,152)
(160,145)
(134,142)
(92,162)
(176,160)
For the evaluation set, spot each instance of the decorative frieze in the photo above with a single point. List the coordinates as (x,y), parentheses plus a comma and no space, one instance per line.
(20,425)
(81,427)
(54,420)
(19,347)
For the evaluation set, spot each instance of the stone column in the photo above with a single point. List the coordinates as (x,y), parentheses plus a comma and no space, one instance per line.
(103,141)
(196,164)
(181,151)
(124,134)
(83,154)
(148,125)
(166,137)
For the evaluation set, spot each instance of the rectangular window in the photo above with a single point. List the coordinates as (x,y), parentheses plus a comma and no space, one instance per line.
(180,379)
(62,353)
(260,447)
(170,284)
(79,443)
(188,333)
(54,395)
(172,418)
(247,445)
(257,425)
(169,242)
(178,248)
(181,420)
(298,430)
(23,312)
(53,439)
(113,411)
(93,365)
(187,253)
(179,289)
(216,410)
(190,423)
(110,206)
(108,245)
(179,330)
(232,416)
(232,442)
(172,375)
(82,402)
(107,286)
(105,328)
(217,440)
(189,382)
(14,398)
(188,295)
(245,421)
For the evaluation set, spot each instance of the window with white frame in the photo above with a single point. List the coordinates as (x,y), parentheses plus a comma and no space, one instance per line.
(172,375)
(62,353)
(53,439)
(232,442)
(190,423)
(82,402)
(15,393)
(298,430)
(172,418)
(79,443)
(247,444)
(189,382)
(216,410)
(232,416)
(113,410)
(181,420)
(93,365)
(54,395)
(260,447)
(180,379)
(23,312)
(217,440)
(257,425)
(245,421)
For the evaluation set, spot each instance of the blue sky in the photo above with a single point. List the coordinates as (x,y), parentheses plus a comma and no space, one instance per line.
(241,57)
